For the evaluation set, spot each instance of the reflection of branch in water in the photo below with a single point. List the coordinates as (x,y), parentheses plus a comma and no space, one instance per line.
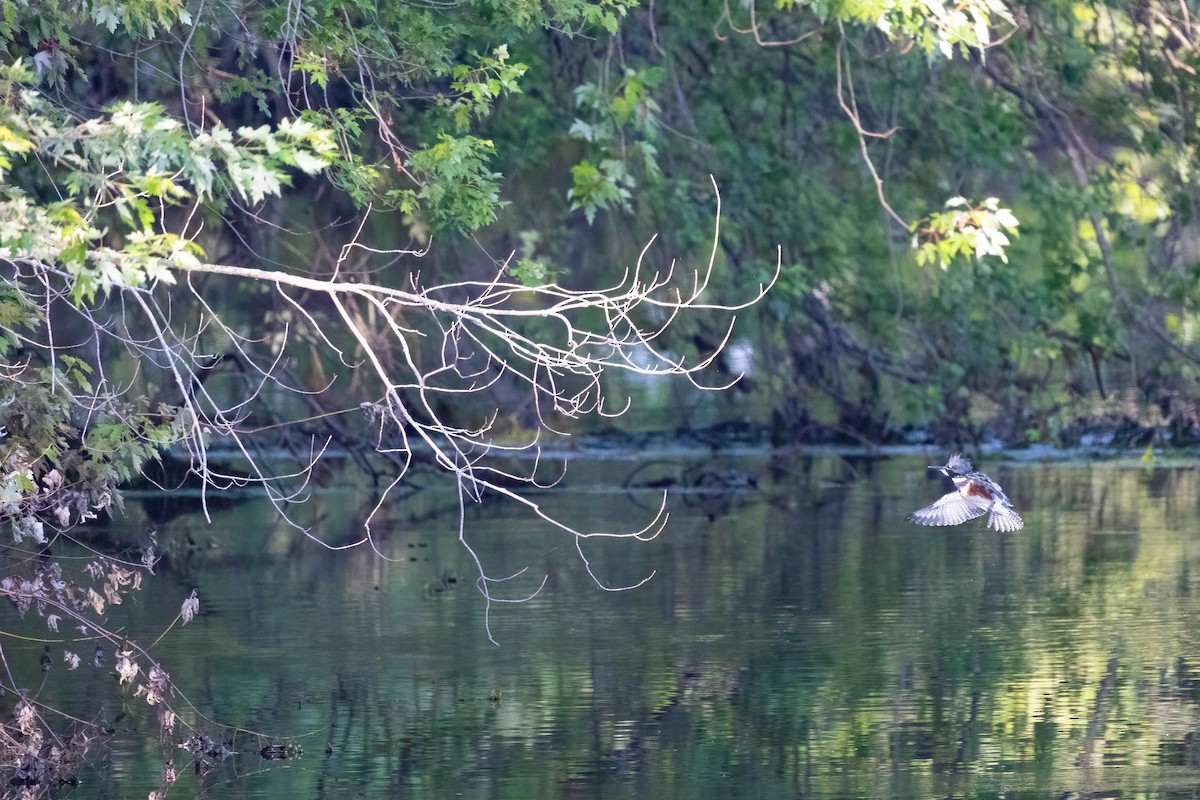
(710,487)
(1096,722)
(698,688)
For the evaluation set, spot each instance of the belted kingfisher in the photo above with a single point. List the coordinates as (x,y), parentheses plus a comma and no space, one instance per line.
(974,495)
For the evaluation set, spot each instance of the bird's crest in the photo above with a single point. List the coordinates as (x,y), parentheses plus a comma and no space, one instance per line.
(958,464)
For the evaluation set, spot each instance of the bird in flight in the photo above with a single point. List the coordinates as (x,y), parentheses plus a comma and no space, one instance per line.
(974,495)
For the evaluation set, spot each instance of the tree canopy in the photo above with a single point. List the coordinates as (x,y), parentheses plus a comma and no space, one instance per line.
(194,201)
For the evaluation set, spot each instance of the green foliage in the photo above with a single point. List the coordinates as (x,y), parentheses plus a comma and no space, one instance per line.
(382,54)
(257,85)
(141,17)
(461,192)
(16,311)
(313,66)
(965,230)
(422,110)
(480,86)
(343,64)
(118,173)
(352,172)
(59,465)
(937,28)
(530,269)
(1019,331)
(600,186)
(138,154)
(620,136)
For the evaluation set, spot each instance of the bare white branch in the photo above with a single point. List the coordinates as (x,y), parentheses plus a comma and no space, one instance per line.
(424,362)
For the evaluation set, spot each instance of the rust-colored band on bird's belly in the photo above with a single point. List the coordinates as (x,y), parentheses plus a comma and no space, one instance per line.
(978,490)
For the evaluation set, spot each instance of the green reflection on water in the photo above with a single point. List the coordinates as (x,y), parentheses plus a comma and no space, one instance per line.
(801,639)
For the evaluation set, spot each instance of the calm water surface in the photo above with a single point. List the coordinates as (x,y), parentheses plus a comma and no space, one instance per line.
(798,639)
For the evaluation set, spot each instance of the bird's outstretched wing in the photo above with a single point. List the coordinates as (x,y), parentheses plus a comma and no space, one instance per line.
(952,509)
(1004,519)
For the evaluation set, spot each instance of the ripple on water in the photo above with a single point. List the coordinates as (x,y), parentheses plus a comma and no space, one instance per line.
(797,639)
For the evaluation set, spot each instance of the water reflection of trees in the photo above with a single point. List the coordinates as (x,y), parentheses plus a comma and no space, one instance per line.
(811,643)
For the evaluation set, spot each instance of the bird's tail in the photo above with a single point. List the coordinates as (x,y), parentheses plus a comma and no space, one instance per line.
(1005,519)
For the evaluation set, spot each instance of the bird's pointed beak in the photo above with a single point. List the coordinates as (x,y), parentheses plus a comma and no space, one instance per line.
(935,467)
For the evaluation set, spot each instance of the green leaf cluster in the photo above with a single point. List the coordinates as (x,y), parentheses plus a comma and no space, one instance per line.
(481,85)
(460,192)
(620,133)
(966,230)
(62,463)
(120,172)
